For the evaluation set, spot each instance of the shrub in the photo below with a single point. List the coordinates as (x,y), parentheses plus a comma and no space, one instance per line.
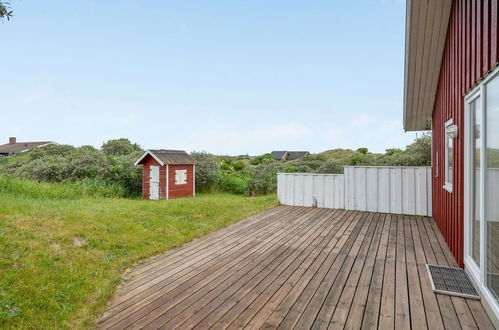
(120,147)
(234,184)
(207,171)
(263,178)
(258,160)
(330,167)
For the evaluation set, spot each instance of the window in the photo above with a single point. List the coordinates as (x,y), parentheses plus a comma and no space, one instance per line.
(481,172)
(449,154)
(180,177)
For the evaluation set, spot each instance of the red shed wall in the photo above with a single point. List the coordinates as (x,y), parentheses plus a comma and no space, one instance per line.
(147,162)
(184,190)
(471,51)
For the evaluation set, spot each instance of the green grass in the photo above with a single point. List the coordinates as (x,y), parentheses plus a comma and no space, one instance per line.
(46,281)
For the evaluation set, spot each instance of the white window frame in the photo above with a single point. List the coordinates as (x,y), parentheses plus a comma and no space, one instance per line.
(180,177)
(477,272)
(448,183)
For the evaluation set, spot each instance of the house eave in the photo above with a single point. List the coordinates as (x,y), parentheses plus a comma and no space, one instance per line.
(425,35)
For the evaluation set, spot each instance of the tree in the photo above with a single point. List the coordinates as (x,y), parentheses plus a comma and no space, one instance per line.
(207,171)
(120,147)
(5,10)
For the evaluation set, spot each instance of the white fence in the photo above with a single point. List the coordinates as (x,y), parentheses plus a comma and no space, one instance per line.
(400,190)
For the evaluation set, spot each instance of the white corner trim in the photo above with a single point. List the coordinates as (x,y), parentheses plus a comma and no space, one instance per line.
(148,152)
(167,186)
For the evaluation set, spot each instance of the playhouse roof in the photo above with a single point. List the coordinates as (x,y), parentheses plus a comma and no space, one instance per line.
(168,157)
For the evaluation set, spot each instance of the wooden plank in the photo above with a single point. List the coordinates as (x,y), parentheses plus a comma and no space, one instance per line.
(322,280)
(250,311)
(351,318)
(461,308)
(418,315)
(371,314)
(315,313)
(181,267)
(387,308)
(296,301)
(335,308)
(167,308)
(151,299)
(447,311)
(253,223)
(277,307)
(216,244)
(402,312)
(311,268)
(432,310)
(223,300)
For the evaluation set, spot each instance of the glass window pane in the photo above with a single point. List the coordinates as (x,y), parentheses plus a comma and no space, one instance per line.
(476,119)
(492,186)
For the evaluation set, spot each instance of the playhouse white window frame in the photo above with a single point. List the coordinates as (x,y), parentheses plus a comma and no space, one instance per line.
(180,177)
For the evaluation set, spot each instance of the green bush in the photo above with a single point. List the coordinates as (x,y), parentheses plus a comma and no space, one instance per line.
(263,178)
(258,160)
(120,147)
(207,171)
(63,163)
(330,167)
(234,184)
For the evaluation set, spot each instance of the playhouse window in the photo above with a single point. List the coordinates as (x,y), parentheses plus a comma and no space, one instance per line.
(449,156)
(180,177)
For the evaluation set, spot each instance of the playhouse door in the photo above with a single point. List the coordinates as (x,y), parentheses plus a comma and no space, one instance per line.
(154,182)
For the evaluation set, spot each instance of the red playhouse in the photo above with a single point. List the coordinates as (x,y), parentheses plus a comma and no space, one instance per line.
(452,89)
(167,174)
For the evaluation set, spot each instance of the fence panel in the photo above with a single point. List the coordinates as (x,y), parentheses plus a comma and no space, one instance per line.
(399,190)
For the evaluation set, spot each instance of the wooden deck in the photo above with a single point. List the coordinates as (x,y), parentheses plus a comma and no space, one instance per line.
(295,267)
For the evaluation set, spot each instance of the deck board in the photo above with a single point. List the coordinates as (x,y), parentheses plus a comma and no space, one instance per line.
(295,267)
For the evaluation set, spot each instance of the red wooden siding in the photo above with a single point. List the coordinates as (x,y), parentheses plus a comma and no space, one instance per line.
(470,52)
(184,190)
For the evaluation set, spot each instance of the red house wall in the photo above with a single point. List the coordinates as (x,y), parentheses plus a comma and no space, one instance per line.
(184,190)
(471,51)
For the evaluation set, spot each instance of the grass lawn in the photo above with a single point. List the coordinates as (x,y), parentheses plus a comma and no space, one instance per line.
(48,281)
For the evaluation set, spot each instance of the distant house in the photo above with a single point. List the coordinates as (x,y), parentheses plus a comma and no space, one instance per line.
(292,155)
(14,147)
(289,155)
(279,155)
(167,174)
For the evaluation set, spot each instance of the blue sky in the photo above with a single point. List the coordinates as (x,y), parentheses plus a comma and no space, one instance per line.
(228,77)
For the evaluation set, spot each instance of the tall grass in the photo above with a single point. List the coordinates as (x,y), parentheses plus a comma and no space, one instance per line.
(65,190)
